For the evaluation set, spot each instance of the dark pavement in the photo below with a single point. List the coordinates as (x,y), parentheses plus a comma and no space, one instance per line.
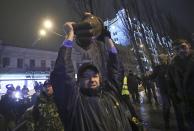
(151,114)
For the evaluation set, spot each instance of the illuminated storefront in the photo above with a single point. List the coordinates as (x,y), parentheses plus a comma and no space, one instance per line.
(27,79)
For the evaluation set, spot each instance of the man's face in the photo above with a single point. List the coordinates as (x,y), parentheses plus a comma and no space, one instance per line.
(90,79)
(163,59)
(183,50)
(49,90)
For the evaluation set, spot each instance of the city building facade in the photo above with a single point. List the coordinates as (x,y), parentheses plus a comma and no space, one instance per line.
(22,66)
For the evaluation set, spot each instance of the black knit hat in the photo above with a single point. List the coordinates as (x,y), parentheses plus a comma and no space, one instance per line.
(84,67)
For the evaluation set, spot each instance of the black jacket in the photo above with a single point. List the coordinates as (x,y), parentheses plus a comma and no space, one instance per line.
(181,79)
(160,75)
(132,82)
(102,111)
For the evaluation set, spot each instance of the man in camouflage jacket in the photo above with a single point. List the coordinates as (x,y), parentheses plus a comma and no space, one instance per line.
(44,115)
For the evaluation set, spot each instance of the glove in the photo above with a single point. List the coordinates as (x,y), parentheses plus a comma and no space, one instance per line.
(105,33)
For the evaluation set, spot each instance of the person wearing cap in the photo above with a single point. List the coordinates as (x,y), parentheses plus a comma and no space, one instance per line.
(43,116)
(181,79)
(90,103)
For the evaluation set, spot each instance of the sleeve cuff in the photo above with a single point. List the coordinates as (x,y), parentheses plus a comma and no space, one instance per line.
(68,43)
(113,50)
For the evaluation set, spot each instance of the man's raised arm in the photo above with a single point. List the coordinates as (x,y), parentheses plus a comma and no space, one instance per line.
(62,77)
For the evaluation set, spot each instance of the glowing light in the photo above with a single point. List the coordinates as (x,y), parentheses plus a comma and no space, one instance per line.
(141,45)
(18,95)
(42,32)
(48,24)
(75,76)
(113,27)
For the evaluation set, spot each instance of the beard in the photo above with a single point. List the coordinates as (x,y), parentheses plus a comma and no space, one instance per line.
(90,91)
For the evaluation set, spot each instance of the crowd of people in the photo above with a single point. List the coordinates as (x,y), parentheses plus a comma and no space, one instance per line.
(92,102)
(22,112)
(174,79)
(13,104)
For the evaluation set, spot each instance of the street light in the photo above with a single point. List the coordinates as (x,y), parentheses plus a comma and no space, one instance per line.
(48,25)
(42,32)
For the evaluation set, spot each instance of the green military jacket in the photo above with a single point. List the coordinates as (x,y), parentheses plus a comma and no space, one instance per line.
(46,114)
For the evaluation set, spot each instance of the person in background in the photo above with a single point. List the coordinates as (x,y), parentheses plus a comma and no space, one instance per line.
(25,91)
(43,116)
(181,80)
(37,89)
(132,83)
(7,108)
(160,76)
(45,112)
(25,102)
(135,119)
(150,88)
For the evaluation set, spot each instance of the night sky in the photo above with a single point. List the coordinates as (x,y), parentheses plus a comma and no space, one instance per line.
(182,10)
(20,20)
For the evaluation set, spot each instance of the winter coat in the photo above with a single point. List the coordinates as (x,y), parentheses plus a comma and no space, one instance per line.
(46,116)
(43,116)
(94,110)
(160,75)
(132,82)
(181,79)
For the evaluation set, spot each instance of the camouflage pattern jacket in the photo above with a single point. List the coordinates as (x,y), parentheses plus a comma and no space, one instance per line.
(46,116)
